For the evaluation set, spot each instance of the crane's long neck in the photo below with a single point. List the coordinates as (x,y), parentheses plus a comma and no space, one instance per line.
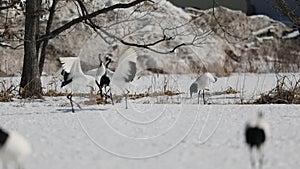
(100,71)
(260,118)
(108,62)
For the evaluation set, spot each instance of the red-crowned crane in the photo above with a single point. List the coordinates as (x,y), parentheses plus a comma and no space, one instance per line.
(13,148)
(75,79)
(125,72)
(256,133)
(202,83)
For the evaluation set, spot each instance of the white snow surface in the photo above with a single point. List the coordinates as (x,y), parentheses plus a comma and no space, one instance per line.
(176,133)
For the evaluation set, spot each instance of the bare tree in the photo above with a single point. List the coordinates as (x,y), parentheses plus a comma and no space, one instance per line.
(36,39)
(289,11)
(30,85)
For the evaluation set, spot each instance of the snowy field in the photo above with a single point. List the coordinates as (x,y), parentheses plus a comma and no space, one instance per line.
(159,132)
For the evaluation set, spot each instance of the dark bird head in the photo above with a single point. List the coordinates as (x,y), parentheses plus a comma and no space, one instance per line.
(108,57)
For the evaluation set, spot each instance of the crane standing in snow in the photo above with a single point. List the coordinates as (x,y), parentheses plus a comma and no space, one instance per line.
(101,69)
(256,134)
(13,148)
(121,78)
(104,81)
(124,74)
(75,79)
(102,77)
(202,83)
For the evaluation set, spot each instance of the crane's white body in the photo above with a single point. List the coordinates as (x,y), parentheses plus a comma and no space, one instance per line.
(125,71)
(97,73)
(120,79)
(75,79)
(124,74)
(80,80)
(202,83)
(16,149)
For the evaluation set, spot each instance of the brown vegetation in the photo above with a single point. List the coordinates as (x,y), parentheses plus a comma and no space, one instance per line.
(6,93)
(286,91)
(53,93)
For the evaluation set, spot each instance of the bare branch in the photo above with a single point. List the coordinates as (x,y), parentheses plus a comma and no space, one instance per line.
(80,19)
(7,7)
(287,11)
(145,46)
(174,31)
(148,46)
(12,4)
(6,45)
(48,30)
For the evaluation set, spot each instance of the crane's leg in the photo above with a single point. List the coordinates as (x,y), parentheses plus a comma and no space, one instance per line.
(69,96)
(199,96)
(100,88)
(19,166)
(261,158)
(126,96)
(204,101)
(101,94)
(4,165)
(111,98)
(252,160)
(105,93)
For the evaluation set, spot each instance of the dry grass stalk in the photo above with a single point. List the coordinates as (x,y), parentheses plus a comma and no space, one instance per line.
(53,93)
(286,91)
(6,93)
(229,90)
(155,94)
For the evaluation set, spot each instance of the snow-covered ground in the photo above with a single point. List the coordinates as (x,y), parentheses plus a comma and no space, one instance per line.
(159,132)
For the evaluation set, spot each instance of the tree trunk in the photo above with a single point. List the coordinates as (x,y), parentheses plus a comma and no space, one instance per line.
(48,31)
(30,85)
